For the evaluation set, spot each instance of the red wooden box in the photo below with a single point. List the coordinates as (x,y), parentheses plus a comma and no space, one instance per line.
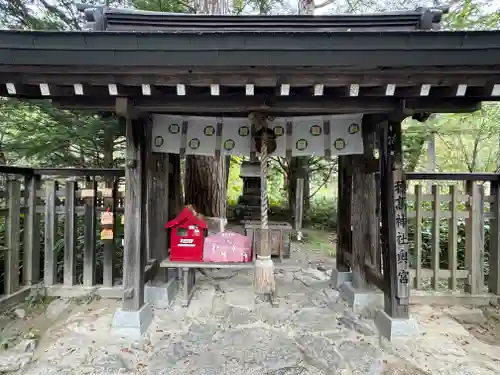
(187,235)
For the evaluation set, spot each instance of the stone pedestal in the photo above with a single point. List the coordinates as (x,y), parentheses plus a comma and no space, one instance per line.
(132,324)
(394,328)
(338,278)
(361,300)
(160,295)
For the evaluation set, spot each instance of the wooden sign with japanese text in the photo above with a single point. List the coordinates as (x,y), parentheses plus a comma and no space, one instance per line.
(400,218)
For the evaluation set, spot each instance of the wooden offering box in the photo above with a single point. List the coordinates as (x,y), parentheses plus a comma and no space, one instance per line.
(187,235)
(279,237)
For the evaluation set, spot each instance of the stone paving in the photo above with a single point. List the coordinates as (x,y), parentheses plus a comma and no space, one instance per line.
(227,330)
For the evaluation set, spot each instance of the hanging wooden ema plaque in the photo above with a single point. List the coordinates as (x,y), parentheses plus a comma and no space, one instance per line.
(107,218)
(107,221)
(107,234)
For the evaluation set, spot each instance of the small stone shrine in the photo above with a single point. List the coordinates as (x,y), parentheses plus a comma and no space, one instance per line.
(248,207)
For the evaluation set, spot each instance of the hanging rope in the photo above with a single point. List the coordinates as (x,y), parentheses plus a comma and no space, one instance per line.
(222,186)
(264,269)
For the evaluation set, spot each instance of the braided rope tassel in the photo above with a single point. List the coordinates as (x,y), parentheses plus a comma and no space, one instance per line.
(263,184)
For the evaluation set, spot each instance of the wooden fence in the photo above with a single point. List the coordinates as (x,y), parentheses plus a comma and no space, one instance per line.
(53,233)
(454,238)
(454,233)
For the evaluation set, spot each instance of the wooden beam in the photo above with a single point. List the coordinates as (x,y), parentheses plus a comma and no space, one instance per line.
(284,105)
(134,259)
(453,176)
(239,76)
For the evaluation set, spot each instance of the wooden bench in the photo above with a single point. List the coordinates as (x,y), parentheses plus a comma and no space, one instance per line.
(189,272)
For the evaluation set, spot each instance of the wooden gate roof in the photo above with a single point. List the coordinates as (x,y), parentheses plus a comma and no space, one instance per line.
(102,18)
(308,70)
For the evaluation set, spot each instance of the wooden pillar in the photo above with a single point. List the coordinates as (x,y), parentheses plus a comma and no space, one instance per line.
(174,185)
(494,277)
(394,221)
(134,254)
(157,203)
(363,207)
(343,214)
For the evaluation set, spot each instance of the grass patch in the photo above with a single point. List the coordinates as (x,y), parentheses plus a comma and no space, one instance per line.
(319,241)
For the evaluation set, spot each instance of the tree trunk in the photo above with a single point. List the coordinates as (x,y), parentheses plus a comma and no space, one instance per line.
(203,187)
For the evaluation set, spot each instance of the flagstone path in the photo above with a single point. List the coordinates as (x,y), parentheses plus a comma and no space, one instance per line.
(230,331)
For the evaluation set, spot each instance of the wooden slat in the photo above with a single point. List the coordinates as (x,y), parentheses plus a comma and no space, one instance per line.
(31,256)
(40,193)
(442,214)
(427,273)
(89,240)
(452,176)
(418,236)
(13,237)
(435,248)
(453,239)
(49,275)
(442,197)
(70,234)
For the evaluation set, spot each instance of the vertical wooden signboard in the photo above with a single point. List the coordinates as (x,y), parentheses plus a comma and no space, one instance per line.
(400,212)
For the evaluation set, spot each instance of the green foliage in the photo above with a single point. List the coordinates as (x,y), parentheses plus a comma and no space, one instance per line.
(322,215)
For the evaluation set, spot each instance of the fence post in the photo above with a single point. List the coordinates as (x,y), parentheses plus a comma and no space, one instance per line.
(435,248)
(474,248)
(13,237)
(418,236)
(89,196)
(494,277)
(70,234)
(452,238)
(109,248)
(31,258)
(50,270)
